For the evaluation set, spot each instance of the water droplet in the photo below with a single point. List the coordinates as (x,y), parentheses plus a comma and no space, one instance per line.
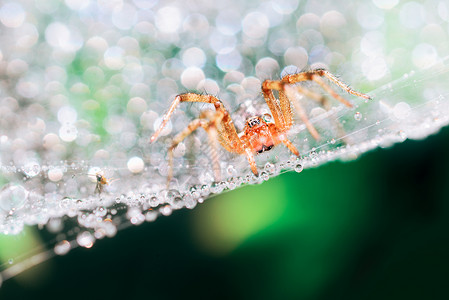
(205,190)
(231,170)
(153,202)
(68,133)
(13,197)
(298,168)
(62,247)
(150,216)
(135,216)
(332,141)
(401,110)
(216,187)
(358,116)
(270,168)
(264,176)
(402,135)
(135,165)
(189,202)
(55,174)
(31,169)
(54,225)
(99,233)
(85,239)
(100,211)
(166,210)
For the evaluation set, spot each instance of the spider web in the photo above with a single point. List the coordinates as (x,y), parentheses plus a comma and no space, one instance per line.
(54,139)
(390,117)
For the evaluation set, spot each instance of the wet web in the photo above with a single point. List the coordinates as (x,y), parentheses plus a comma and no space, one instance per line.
(82,92)
(413,107)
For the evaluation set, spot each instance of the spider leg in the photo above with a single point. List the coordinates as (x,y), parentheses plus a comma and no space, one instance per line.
(294,93)
(328,89)
(187,97)
(283,120)
(314,96)
(341,84)
(252,161)
(166,118)
(229,139)
(291,147)
(287,94)
(316,75)
(208,121)
(227,134)
(218,126)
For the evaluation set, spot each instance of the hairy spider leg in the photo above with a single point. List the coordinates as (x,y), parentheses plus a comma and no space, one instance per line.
(209,121)
(291,147)
(316,75)
(225,129)
(187,97)
(252,161)
(227,134)
(283,120)
(341,84)
(287,95)
(229,139)
(286,110)
(166,118)
(294,93)
(314,96)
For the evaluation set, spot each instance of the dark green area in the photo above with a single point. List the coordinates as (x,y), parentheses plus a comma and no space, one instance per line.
(375,228)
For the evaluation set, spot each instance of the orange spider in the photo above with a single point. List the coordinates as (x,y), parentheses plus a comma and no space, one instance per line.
(261,133)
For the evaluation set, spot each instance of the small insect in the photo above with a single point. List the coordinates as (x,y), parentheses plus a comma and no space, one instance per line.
(261,133)
(101,181)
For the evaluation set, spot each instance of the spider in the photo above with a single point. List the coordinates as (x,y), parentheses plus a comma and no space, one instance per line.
(261,133)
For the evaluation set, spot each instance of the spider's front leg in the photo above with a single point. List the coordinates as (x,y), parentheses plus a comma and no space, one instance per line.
(209,121)
(317,76)
(187,97)
(284,118)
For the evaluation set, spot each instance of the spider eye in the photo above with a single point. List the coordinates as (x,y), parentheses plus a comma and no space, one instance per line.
(253,122)
(267,118)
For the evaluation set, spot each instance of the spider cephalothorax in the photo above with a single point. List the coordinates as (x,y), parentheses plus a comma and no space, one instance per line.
(261,133)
